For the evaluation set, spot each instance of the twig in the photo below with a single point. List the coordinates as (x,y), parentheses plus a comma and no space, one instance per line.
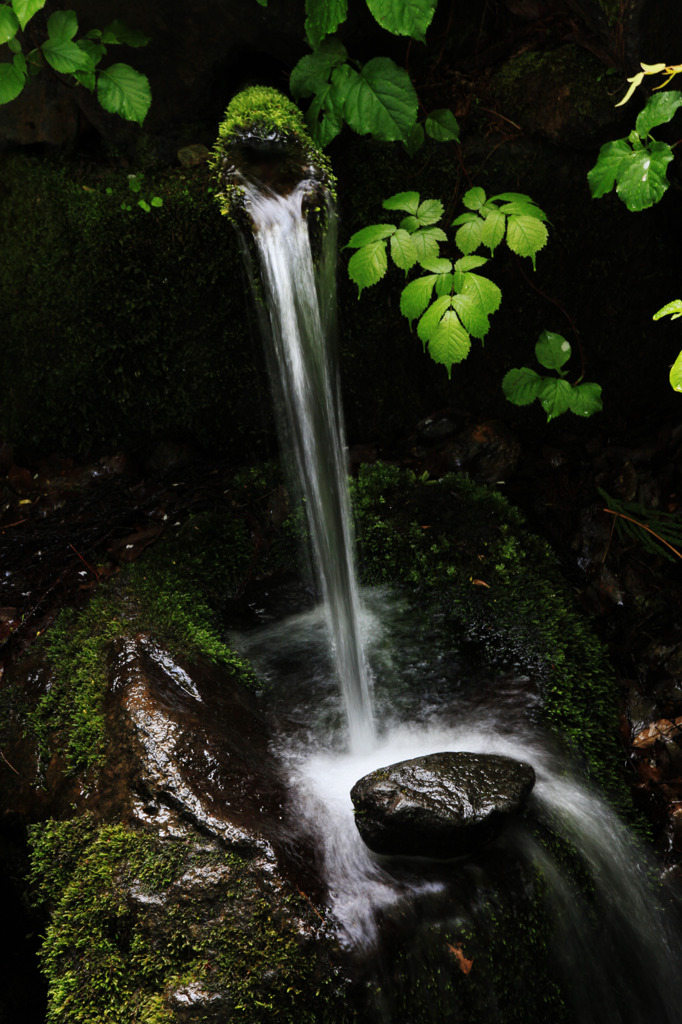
(644,527)
(93,571)
(2,755)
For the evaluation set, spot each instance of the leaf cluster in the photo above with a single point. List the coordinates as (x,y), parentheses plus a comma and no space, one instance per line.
(119,88)
(556,395)
(658,531)
(637,165)
(450,302)
(376,98)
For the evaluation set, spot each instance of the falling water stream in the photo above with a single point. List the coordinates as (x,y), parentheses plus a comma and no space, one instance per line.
(617,950)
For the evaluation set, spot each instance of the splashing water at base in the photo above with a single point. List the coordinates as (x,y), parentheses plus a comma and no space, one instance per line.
(300,303)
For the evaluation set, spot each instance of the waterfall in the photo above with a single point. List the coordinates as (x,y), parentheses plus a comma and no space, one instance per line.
(300,301)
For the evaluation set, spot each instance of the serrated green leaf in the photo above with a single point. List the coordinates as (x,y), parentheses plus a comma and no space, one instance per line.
(442,126)
(474,199)
(511,197)
(585,399)
(325,128)
(381,101)
(322,18)
(555,396)
(368,265)
(64,55)
(14,45)
(95,52)
(483,290)
(432,317)
(313,70)
(429,212)
(465,263)
(493,229)
(9,24)
(523,209)
(118,32)
(672,309)
(676,374)
(427,241)
(25,9)
(469,237)
(472,315)
(436,265)
(403,249)
(526,236)
(522,386)
(407,201)
(415,139)
(410,224)
(123,90)
(552,350)
(12,81)
(660,108)
(416,296)
(450,342)
(404,17)
(465,218)
(371,233)
(444,284)
(62,25)
(604,174)
(642,177)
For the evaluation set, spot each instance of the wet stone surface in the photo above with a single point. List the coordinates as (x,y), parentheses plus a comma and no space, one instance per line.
(440,805)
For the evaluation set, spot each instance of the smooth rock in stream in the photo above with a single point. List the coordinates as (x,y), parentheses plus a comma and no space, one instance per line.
(440,805)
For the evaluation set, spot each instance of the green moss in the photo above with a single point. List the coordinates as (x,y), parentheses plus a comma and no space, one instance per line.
(260,118)
(466,547)
(120,326)
(125,932)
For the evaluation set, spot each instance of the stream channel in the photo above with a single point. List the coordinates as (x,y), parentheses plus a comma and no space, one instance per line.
(363,681)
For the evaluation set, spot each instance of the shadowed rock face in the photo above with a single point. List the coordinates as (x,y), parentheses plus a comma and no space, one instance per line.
(440,805)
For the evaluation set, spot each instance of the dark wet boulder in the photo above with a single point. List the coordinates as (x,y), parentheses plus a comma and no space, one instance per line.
(440,805)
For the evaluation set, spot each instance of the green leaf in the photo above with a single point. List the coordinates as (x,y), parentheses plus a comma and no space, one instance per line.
(156,201)
(326,129)
(9,24)
(450,342)
(407,201)
(528,209)
(659,109)
(676,374)
(585,399)
(62,25)
(25,9)
(118,32)
(604,174)
(465,263)
(511,197)
(472,315)
(144,205)
(522,386)
(415,139)
(381,100)
(552,351)
(442,126)
(416,296)
(444,284)
(555,396)
(404,17)
(526,236)
(410,224)
(14,45)
(473,199)
(368,265)
(95,52)
(432,317)
(485,292)
(429,212)
(436,265)
(371,233)
(426,242)
(12,81)
(323,18)
(672,309)
(469,236)
(124,91)
(493,229)
(313,71)
(642,176)
(403,249)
